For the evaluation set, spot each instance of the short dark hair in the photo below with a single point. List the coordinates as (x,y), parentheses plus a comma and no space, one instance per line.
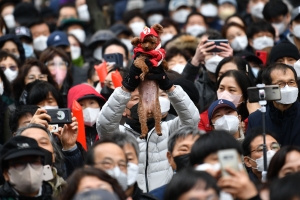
(75,178)
(274,9)
(266,74)
(278,161)
(285,188)
(129,15)
(194,13)
(260,26)
(182,133)
(20,111)
(231,24)
(39,92)
(243,82)
(66,5)
(167,22)
(174,51)
(4,55)
(186,179)
(115,41)
(37,22)
(211,143)
(251,135)
(235,15)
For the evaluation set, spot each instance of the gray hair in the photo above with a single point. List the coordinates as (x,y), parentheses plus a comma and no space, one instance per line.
(122,139)
(57,151)
(183,132)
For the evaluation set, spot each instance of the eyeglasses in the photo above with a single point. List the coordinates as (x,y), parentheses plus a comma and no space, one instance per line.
(58,64)
(20,165)
(12,68)
(291,83)
(109,164)
(40,77)
(260,149)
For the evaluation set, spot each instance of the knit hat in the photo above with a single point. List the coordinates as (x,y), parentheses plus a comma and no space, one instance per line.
(25,13)
(283,49)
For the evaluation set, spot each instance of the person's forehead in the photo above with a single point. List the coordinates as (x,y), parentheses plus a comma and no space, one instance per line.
(35,133)
(278,74)
(110,150)
(223,108)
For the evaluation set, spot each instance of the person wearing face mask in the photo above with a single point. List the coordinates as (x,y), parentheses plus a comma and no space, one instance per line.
(124,34)
(286,110)
(22,166)
(135,20)
(294,35)
(77,52)
(11,44)
(253,152)
(261,36)
(195,24)
(179,10)
(91,103)
(223,115)
(226,8)
(24,34)
(75,27)
(255,10)
(9,64)
(209,9)
(154,12)
(40,32)
(170,30)
(124,101)
(176,59)
(179,147)
(277,13)
(203,157)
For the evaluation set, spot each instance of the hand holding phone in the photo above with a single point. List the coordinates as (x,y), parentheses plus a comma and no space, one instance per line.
(41,117)
(228,158)
(218,45)
(60,116)
(114,58)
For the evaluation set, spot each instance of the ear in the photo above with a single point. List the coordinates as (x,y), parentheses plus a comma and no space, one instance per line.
(171,160)
(240,118)
(158,28)
(5,175)
(135,41)
(247,161)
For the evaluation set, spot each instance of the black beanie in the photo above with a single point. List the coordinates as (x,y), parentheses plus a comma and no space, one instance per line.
(189,88)
(283,49)
(25,13)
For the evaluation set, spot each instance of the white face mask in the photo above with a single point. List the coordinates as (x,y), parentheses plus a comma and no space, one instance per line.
(10,74)
(98,53)
(296,31)
(83,13)
(206,166)
(297,68)
(137,28)
(178,68)
(209,10)
(195,30)
(257,9)
(28,180)
(128,44)
(75,52)
(120,176)
(166,37)
(164,105)
(212,63)
(262,42)
(90,116)
(288,95)
(255,71)
(40,43)
(234,98)
(280,27)
(79,34)
(10,21)
(228,123)
(239,43)
(260,161)
(1,88)
(154,19)
(180,15)
(50,107)
(132,172)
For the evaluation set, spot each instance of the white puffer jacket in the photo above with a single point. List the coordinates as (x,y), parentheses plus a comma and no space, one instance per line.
(154,168)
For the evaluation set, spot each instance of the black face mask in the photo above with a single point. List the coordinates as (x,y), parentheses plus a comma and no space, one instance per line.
(134,123)
(48,157)
(182,161)
(95,84)
(106,92)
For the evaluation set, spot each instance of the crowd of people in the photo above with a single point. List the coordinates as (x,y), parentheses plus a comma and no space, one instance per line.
(216,142)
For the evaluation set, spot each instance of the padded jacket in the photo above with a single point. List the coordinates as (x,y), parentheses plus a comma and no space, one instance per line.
(154,168)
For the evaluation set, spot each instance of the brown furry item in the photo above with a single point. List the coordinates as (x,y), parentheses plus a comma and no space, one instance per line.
(148,48)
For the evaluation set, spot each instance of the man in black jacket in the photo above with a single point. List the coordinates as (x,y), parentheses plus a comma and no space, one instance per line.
(22,165)
(282,116)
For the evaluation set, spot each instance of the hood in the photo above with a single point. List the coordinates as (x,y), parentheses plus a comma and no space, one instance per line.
(83,91)
(16,40)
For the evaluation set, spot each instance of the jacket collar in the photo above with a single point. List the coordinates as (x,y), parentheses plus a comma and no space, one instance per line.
(278,115)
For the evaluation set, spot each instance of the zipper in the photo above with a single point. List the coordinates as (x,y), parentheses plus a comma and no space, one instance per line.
(146,168)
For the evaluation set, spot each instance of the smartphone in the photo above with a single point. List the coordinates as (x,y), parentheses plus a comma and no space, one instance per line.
(272,93)
(47,173)
(228,158)
(60,116)
(114,58)
(262,55)
(217,43)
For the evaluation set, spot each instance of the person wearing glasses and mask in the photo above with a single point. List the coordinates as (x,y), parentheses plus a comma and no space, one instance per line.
(282,116)
(253,152)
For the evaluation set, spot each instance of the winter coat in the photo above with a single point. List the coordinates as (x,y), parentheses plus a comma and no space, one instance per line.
(154,168)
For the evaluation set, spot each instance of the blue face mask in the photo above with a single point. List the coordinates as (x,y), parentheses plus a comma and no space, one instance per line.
(28,50)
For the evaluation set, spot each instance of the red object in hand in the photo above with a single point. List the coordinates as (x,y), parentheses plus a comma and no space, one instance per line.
(116,78)
(262,55)
(101,70)
(77,112)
